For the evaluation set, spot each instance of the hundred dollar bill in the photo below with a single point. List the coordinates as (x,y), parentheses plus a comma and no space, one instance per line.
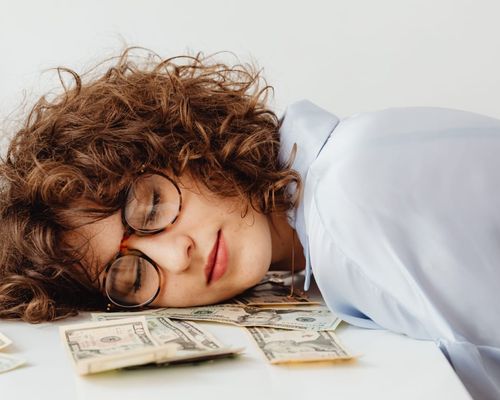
(4,341)
(272,294)
(102,346)
(8,363)
(285,346)
(308,318)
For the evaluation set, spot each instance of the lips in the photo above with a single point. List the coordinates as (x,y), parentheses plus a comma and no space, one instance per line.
(217,260)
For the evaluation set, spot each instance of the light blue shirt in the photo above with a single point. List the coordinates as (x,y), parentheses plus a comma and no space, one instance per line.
(400,223)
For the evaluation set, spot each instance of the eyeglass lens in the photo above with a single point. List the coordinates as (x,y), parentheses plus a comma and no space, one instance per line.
(132,281)
(153,202)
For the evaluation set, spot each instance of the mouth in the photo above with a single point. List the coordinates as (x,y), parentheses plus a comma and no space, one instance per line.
(217,260)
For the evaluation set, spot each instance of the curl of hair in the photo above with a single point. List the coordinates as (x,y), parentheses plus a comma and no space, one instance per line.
(185,114)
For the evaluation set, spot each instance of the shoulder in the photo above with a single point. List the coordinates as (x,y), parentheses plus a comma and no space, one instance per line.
(403,163)
(396,140)
(411,119)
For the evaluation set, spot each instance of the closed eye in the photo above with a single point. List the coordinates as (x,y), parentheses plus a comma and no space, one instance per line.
(155,201)
(138,274)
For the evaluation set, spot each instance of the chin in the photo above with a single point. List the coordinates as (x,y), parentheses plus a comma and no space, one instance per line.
(221,298)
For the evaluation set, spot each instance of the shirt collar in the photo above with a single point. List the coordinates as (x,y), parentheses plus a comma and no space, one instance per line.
(309,127)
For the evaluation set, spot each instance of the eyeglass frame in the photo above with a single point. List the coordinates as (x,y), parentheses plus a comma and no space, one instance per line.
(123,251)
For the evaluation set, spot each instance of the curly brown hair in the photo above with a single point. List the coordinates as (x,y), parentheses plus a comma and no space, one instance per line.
(86,144)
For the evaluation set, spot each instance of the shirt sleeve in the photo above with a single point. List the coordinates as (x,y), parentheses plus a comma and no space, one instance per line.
(407,203)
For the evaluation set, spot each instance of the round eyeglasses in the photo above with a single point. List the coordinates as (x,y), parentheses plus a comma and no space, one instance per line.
(132,279)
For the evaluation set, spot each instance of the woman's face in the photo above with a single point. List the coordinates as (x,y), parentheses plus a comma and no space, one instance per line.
(184,252)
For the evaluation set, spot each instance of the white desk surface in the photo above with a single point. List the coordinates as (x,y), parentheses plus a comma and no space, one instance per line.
(389,366)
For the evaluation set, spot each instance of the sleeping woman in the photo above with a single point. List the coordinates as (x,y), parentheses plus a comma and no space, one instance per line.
(171,182)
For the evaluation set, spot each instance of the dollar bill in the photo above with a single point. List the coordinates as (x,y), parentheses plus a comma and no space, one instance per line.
(4,341)
(187,336)
(277,277)
(111,316)
(307,318)
(102,346)
(271,293)
(192,342)
(8,363)
(285,346)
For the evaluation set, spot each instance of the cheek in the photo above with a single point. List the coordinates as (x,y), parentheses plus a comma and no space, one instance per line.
(256,251)
(178,292)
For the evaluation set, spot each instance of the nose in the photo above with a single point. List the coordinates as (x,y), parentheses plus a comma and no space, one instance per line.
(171,251)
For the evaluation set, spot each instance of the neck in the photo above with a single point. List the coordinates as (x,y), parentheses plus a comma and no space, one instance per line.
(282,236)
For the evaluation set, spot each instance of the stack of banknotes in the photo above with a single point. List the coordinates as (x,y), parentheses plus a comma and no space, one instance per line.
(8,362)
(286,327)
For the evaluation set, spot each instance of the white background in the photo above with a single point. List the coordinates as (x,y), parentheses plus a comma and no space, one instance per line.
(347,56)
